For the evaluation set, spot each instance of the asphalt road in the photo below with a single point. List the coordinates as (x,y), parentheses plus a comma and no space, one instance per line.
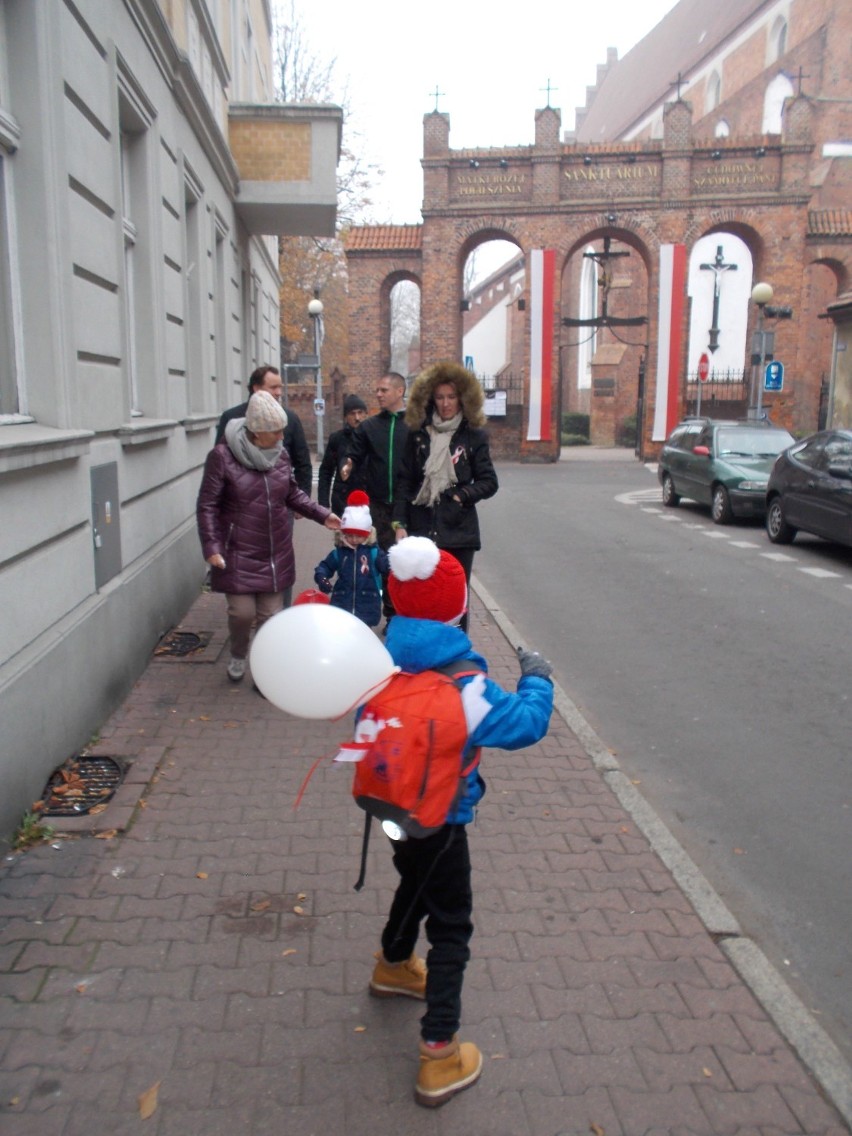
(716,666)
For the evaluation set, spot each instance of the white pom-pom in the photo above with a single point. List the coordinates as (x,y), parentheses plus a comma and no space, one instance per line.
(414,558)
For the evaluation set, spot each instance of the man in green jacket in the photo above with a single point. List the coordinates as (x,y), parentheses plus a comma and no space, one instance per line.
(375,450)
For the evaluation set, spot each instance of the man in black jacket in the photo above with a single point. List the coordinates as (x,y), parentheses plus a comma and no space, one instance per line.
(268,378)
(331,490)
(375,451)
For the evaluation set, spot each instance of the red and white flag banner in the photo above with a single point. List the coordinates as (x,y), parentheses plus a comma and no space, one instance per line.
(542,283)
(669,336)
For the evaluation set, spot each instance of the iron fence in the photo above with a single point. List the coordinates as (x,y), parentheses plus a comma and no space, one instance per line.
(725,393)
(506,381)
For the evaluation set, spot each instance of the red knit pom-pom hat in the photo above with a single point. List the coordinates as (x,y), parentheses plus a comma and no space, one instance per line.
(356,516)
(425,582)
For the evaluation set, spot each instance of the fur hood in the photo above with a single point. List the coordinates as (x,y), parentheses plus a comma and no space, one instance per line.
(420,406)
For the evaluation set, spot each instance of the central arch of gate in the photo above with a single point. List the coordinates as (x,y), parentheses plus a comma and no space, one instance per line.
(606,233)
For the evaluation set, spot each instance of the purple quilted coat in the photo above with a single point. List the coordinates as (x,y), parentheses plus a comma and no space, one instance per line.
(244,515)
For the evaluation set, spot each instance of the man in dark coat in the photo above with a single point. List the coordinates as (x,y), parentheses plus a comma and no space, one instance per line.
(375,452)
(268,378)
(331,490)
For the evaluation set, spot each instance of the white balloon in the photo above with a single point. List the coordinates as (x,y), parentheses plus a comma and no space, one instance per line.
(318,661)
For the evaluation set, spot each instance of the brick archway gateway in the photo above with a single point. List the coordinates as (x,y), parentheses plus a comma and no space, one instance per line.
(551,199)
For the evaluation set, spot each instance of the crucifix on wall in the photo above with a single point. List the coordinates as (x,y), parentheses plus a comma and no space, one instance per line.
(718,267)
(603,260)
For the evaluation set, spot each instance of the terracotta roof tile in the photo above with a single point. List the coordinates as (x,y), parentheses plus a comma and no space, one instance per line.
(380,238)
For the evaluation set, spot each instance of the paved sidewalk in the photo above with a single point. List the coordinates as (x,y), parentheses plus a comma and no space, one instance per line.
(214,955)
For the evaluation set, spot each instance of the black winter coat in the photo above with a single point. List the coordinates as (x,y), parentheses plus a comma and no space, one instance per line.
(331,490)
(449,524)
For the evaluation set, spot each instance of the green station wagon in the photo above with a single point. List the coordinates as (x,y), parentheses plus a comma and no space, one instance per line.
(725,465)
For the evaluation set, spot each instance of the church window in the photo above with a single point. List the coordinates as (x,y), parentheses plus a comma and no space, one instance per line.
(713,94)
(773,103)
(777,40)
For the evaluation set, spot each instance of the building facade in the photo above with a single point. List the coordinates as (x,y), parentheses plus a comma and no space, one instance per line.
(145,174)
(716,153)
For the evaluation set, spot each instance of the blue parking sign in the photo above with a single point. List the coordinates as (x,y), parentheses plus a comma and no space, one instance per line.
(773,378)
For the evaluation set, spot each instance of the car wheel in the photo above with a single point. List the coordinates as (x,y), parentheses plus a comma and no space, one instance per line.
(777,529)
(670,498)
(721,509)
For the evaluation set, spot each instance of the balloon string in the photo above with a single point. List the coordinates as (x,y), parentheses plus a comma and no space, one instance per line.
(310,774)
(367,695)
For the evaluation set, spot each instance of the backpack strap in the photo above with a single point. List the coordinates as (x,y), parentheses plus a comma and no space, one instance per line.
(365,844)
(457,670)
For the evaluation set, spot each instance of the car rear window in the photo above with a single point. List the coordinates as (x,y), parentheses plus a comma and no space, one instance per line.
(757,442)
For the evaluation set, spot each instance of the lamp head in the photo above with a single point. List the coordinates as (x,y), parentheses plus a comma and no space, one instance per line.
(762,293)
(315,308)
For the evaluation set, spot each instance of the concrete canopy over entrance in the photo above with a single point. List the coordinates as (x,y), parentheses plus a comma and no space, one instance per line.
(655,198)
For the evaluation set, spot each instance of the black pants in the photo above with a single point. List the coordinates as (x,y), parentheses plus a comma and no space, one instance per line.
(434,884)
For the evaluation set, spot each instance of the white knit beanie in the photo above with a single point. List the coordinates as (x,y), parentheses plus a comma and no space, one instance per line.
(356,516)
(265,415)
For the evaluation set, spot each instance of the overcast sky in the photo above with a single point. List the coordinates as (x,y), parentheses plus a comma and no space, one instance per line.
(492,63)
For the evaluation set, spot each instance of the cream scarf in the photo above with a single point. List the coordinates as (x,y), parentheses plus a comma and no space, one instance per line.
(439,473)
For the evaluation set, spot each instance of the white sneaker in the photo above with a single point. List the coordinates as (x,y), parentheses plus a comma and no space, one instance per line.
(236,669)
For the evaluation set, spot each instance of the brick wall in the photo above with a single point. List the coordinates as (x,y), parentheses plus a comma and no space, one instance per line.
(271,151)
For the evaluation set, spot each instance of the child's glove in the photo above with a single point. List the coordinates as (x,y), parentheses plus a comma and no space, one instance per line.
(324,585)
(532,663)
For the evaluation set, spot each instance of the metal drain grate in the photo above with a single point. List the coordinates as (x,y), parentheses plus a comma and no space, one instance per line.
(181,643)
(79,785)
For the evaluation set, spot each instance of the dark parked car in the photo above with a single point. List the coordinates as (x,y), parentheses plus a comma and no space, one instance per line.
(810,488)
(725,465)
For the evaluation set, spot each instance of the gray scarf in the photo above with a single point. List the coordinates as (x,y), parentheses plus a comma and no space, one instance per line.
(246,452)
(439,473)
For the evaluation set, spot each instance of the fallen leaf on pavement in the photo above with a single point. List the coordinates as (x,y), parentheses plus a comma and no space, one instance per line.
(298,910)
(261,905)
(597,1130)
(148,1101)
(707,1072)
(360,1029)
(291,951)
(107,834)
(201,875)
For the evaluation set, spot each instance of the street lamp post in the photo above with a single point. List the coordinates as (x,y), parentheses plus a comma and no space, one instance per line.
(762,346)
(315,308)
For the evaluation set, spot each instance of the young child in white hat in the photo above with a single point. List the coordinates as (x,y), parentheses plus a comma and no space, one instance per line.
(351,573)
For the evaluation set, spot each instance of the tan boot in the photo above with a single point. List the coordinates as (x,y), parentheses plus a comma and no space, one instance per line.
(393,978)
(446,1071)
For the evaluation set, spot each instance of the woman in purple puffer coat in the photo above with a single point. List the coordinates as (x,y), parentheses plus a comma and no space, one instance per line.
(244,521)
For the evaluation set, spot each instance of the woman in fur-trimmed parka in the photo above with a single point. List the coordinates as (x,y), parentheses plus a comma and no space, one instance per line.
(446,467)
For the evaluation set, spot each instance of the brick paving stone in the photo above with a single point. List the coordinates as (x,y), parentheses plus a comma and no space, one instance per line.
(172,952)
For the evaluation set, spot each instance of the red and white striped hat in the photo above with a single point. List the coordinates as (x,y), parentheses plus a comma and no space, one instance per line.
(356,516)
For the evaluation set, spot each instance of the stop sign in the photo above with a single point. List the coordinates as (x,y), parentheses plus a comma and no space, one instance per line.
(703,368)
